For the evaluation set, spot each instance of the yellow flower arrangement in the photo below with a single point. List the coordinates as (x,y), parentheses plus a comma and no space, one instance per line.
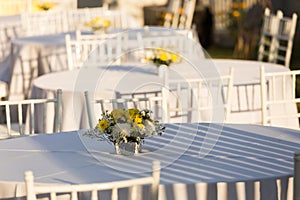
(122,126)
(45,5)
(98,23)
(161,56)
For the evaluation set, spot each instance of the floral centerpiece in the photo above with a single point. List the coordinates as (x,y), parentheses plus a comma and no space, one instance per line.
(44,6)
(98,24)
(123,127)
(161,56)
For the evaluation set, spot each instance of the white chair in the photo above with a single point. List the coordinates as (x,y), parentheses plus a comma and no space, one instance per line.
(278,98)
(14,7)
(199,99)
(173,8)
(277,35)
(8,31)
(172,41)
(36,110)
(95,51)
(33,189)
(96,107)
(180,16)
(44,23)
(77,17)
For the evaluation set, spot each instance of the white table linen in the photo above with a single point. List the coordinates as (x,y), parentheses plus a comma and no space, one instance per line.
(33,56)
(199,161)
(105,82)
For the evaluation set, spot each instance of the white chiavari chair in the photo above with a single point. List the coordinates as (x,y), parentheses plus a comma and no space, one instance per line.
(35,110)
(8,31)
(97,106)
(277,35)
(172,41)
(77,17)
(14,7)
(199,99)
(173,8)
(180,14)
(33,189)
(186,18)
(97,51)
(43,23)
(279,98)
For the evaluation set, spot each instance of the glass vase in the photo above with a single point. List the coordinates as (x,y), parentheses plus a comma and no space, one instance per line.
(128,149)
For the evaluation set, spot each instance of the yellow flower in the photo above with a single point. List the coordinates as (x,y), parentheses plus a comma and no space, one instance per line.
(163,57)
(174,57)
(138,120)
(102,124)
(236,14)
(133,113)
(120,115)
(106,23)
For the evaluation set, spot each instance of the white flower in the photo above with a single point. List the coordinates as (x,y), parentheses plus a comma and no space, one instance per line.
(149,128)
(122,128)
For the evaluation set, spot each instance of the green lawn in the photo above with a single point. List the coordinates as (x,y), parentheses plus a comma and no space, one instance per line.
(218,52)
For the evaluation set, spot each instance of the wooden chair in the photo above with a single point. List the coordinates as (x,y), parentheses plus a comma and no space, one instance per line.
(95,51)
(33,108)
(154,103)
(277,35)
(33,189)
(279,99)
(199,99)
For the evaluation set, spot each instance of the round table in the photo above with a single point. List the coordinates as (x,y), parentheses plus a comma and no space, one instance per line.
(198,161)
(106,81)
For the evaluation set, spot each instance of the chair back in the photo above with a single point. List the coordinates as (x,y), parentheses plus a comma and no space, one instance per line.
(181,44)
(97,106)
(14,7)
(44,23)
(199,99)
(180,14)
(33,189)
(36,110)
(8,31)
(77,17)
(277,35)
(94,51)
(279,99)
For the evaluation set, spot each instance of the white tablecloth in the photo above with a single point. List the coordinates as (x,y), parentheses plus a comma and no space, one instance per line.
(128,79)
(199,161)
(33,56)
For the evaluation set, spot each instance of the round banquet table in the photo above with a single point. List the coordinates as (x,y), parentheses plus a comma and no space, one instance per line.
(105,82)
(198,161)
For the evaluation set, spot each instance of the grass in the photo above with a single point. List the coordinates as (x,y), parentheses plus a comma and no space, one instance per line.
(219,52)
